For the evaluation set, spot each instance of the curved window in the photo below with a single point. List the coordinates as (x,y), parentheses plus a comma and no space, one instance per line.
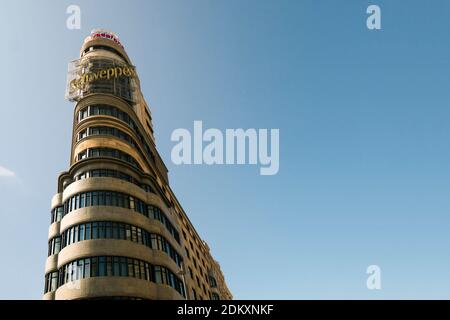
(51,281)
(122,200)
(108,152)
(104,48)
(57,214)
(113,266)
(54,246)
(107,110)
(120,231)
(109,173)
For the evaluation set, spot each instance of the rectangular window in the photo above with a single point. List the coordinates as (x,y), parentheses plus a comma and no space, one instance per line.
(101,266)
(108,201)
(137,270)
(95,198)
(114,230)
(142,267)
(108,229)
(82,200)
(171,279)
(120,201)
(81,232)
(94,230)
(87,268)
(128,232)
(122,232)
(59,213)
(139,235)
(158,274)
(138,206)
(130,268)
(80,268)
(154,242)
(54,281)
(57,245)
(148,272)
(116,268)
(88,199)
(133,234)
(88,231)
(123,267)
(101,199)
(109,267)
(75,234)
(101,230)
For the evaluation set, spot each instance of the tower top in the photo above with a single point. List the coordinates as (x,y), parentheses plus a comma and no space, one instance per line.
(104,34)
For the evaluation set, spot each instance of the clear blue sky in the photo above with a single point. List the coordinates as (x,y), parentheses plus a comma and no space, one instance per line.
(364,136)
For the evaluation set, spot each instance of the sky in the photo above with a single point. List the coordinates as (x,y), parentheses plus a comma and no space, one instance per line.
(364,175)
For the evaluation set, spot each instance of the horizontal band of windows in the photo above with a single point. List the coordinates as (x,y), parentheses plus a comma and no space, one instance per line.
(114,266)
(107,110)
(122,200)
(110,173)
(106,131)
(113,230)
(110,153)
(97,47)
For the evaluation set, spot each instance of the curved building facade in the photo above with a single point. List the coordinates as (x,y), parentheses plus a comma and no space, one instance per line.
(117,230)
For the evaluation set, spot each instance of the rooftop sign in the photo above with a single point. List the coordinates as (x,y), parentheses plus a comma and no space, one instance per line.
(100,75)
(99,33)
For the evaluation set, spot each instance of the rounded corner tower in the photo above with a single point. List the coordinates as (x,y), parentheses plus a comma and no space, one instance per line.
(117,230)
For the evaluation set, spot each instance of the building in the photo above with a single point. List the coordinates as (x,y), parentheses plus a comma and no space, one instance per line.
(117,230)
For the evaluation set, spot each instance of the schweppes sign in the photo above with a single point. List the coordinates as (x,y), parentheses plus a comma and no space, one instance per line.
(109,73)
(83,76)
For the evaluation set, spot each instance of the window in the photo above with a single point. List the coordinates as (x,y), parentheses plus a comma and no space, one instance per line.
(54,246)
(51,281)
(57,214)
(215,296)
(82,134)
(212,282)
